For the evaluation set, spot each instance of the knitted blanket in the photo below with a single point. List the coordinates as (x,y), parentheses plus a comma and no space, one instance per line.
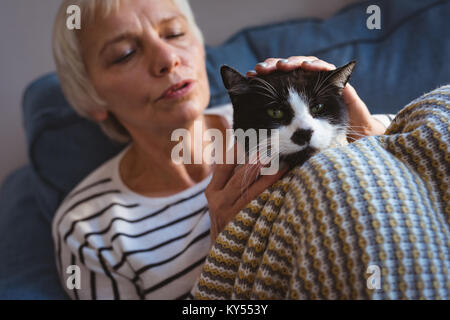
(369,220)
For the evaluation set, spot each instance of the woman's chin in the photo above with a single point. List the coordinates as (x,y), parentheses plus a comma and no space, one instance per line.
(185,113)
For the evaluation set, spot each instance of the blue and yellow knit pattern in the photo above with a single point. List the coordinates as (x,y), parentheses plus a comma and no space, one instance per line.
(381,203)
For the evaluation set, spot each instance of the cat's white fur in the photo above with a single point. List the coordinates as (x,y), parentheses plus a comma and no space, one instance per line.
(324,134)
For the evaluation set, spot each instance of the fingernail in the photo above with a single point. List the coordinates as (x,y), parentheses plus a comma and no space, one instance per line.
(307,61)
(262,64)
(284,61)
(251,71)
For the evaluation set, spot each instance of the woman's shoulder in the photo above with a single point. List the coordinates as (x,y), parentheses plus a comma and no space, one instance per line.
(97,185)
(225,110)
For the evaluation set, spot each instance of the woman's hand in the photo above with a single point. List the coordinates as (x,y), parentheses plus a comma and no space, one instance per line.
(230,191)
(361,121)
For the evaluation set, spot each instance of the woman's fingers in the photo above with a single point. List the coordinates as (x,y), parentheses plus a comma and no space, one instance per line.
(306,62)
(245,183)
(361,121)
(258,187)
(294,62)
(353,102)
(239,182)
(269,65)
(224,203)
(223,172)
(272,64)
(317,65)
(243,178)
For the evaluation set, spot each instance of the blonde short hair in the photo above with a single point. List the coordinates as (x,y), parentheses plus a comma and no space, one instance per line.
(70,67)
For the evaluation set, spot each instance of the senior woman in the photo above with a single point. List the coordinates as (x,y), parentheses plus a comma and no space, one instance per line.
(140,225)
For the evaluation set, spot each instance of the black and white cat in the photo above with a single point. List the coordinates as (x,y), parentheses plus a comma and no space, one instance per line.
(305,106)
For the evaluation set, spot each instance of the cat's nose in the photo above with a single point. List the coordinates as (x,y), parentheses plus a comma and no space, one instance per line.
(302,136)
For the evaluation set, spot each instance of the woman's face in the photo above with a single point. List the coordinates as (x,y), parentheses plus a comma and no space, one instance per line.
(136,55)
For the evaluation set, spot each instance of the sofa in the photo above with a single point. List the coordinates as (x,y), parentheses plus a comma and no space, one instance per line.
(395,64)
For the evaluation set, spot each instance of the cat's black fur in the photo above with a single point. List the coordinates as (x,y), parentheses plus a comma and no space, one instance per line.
(252,97)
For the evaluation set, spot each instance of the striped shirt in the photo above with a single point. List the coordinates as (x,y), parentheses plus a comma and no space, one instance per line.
(130,246)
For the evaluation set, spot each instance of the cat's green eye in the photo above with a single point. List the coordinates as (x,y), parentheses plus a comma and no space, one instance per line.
(317,108)
(275,113)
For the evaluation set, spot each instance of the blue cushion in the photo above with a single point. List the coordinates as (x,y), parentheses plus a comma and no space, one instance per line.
(63,147)
(27,268)
(405,58)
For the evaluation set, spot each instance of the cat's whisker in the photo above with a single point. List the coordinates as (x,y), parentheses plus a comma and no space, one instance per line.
(326,78)
(323,90)
(347,123)
(274,99)
(317,82)
(328,94)
(268,87)
(353,130)
(265,93)
(320,87)
(355,126)
(270,97)
(272,102)
(354,133)
(249,173)
(258,148)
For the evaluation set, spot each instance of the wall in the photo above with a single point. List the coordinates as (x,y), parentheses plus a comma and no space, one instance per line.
(219,19)
(25,54)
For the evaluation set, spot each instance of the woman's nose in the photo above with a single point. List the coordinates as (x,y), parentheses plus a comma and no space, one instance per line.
(164,59)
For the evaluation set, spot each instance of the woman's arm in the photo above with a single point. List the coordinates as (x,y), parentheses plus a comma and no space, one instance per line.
(231,190)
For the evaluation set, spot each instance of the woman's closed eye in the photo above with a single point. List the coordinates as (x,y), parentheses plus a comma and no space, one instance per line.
(175,35)
(125,57)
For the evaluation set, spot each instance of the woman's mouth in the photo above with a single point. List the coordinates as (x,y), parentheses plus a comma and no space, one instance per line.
(177,90)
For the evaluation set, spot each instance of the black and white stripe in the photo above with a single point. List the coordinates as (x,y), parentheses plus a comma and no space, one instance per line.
(126,247)
(129,246)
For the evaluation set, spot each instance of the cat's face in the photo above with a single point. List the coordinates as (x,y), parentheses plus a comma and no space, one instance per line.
(305,106)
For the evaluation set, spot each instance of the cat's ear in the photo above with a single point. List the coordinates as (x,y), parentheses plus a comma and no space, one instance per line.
(340,76)
(231,78)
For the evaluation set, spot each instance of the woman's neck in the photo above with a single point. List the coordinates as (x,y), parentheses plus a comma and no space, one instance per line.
(147,167)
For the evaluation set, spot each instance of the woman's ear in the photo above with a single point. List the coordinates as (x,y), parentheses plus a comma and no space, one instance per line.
(100,115)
